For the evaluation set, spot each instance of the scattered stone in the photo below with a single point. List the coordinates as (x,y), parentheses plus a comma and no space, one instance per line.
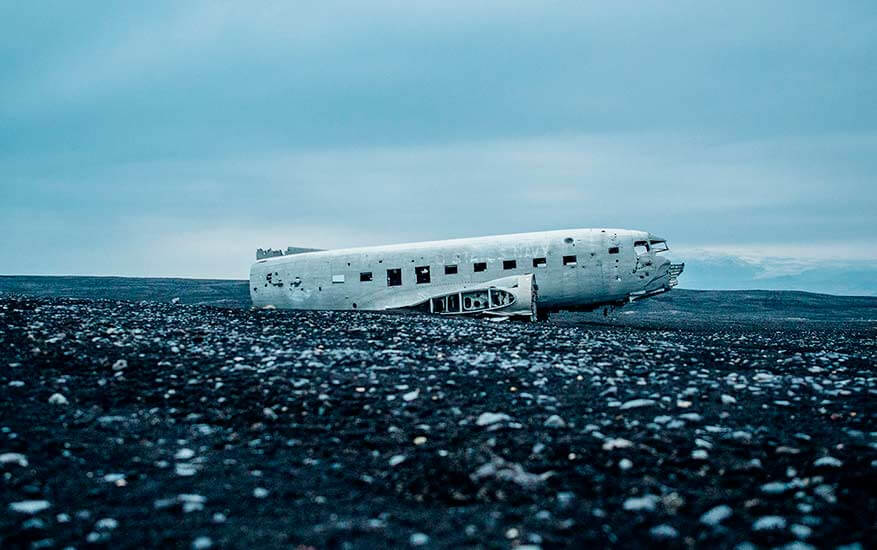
(418,539)
(13,458)
(488,418)
(500,469)
(828,462)
(800,531)
(58,399)
(202,543)
(663,531)
(716,515)
(411,396)
(29,506)
(314,402)
(555,421)
(121,364)
(645,503)
(395,460)
(636,404)
(769,523)
(106,524)
(618,443)
(184,454)
(192,503)
(185,469)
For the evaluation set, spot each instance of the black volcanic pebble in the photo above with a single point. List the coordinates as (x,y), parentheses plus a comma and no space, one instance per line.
(153,425)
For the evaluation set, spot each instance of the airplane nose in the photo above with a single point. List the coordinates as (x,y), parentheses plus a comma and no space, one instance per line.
(663,264)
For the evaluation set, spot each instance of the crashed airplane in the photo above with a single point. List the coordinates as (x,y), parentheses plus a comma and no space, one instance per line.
(523,276)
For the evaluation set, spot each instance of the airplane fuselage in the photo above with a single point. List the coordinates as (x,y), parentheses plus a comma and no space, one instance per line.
(572,269)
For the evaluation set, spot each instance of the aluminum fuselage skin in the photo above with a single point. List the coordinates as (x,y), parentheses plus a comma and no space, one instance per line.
(312,280)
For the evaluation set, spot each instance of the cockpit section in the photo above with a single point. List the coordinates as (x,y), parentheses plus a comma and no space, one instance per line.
(657,244)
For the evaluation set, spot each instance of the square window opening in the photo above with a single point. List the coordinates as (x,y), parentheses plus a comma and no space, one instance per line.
(479,267)
(422,274)
(366,277)
(569,260)
(509,264)
(336,279)
(394,277)
(451,269)
(613,250)
(540,262)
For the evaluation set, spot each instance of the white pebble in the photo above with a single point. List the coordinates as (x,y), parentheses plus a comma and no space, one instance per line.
(13,458)
(395,460)
(828,461)
(29,506)
(664,531)
(636,404)
(643,503)
(184,454)
(106,524)
(418,539)
(411,396)
(488,418)
(555,421)
(769,523)
(58,399)
(716,515)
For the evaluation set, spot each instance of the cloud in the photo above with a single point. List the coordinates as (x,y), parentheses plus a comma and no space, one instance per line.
(709,269)
(124,129)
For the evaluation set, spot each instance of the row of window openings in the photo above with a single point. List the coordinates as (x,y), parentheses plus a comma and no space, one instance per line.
(422,274)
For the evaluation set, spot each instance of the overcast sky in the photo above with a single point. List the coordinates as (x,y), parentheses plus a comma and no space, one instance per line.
(174,138)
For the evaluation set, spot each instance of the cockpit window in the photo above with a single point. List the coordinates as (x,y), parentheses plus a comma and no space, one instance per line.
(641,247)
(659,246)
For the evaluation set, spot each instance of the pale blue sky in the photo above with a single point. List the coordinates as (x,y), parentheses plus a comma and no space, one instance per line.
(174,138)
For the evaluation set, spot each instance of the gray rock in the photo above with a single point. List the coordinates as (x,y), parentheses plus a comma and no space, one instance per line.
(29,506)
(769,523)
(418,539)
(554,421)
(645,503)
(636,404)
(13,458)
(58,399)
(715,516)
(828,462)
(488,418)
(663,531)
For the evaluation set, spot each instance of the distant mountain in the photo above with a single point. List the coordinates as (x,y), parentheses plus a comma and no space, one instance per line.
(718,271)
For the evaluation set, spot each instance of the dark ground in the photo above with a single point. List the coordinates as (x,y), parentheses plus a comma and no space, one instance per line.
(179,425)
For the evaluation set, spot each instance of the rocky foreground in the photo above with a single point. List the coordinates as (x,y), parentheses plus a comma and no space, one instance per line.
(128,424)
